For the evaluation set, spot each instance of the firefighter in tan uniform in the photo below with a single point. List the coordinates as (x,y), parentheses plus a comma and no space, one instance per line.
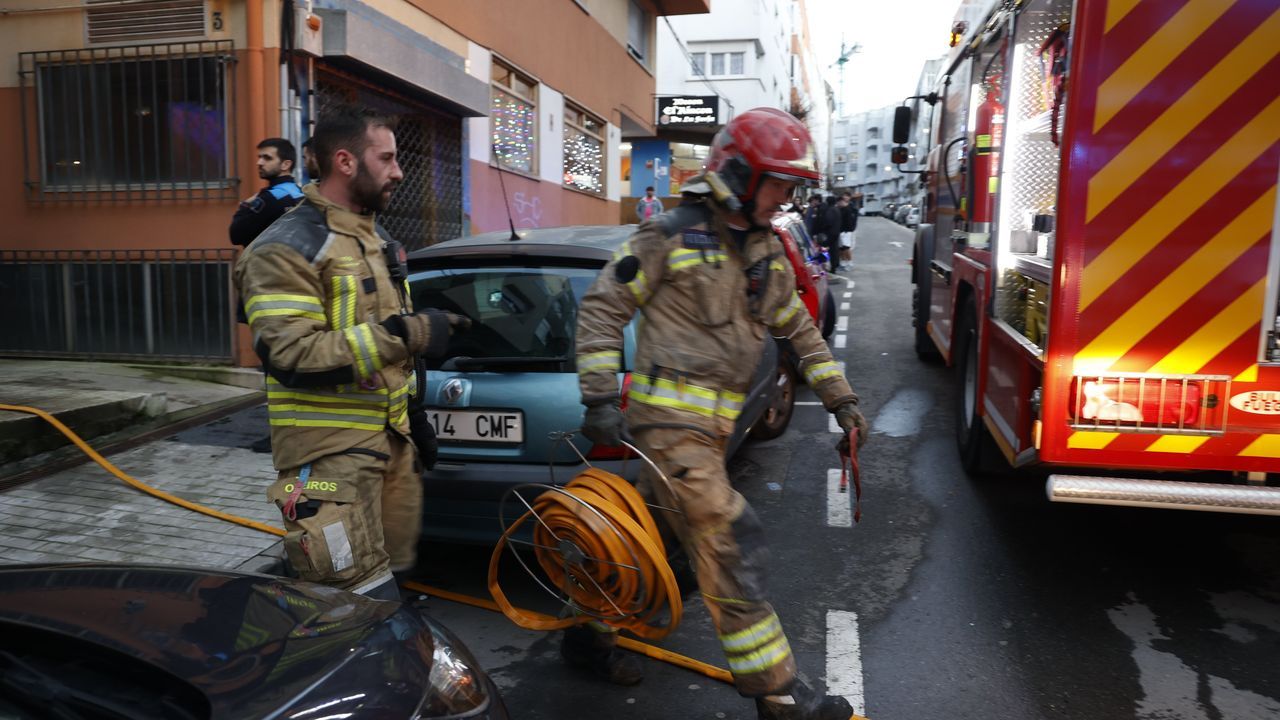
(712,285)
(338,337)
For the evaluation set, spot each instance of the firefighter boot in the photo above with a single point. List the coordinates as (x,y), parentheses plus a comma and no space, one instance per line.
(805,705)
(597,653)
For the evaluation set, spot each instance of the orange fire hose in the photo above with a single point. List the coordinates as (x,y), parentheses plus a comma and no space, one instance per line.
(594,484)
(619,573)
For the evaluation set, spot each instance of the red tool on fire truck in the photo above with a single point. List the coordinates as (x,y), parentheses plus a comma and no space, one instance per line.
(1099,254)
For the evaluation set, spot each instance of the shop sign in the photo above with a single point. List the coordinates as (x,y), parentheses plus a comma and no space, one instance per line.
(695,110)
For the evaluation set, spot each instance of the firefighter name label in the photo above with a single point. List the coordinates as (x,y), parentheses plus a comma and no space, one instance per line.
(1259,402)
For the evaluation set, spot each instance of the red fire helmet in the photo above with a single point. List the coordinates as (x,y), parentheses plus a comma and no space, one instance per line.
(759,142)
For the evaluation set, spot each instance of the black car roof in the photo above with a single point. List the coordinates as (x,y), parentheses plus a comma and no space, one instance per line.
(576,241)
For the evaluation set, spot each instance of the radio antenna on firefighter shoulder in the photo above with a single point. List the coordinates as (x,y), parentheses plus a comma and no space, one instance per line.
(507,204)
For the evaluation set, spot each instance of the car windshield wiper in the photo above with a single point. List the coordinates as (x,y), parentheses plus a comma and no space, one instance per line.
(464,362)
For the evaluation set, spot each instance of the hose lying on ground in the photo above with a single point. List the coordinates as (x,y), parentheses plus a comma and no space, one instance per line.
(594,484)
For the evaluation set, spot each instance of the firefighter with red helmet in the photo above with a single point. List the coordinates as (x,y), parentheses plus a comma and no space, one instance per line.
(713,285)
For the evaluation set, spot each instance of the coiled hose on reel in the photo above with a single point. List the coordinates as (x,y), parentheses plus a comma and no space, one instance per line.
(602,554)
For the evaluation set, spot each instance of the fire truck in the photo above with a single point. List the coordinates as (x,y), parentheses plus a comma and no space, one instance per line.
(1098,257)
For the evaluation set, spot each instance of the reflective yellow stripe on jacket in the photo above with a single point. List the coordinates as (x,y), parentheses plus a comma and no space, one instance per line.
(685,257)
(360,338)
(683,396)
(307,306)
(342,301)
(820,371)
(347,406)
(757,648)
(608,361)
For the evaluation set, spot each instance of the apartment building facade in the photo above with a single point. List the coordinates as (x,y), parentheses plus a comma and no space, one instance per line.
(136,124)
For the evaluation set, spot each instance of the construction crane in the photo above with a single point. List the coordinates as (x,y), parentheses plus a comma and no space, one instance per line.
(845,54)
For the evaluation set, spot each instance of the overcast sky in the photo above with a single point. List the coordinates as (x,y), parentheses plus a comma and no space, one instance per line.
(897,36)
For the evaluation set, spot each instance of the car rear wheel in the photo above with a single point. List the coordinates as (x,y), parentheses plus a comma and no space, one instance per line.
(777,416)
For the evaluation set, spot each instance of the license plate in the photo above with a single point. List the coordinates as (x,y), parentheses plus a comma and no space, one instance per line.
(494,426)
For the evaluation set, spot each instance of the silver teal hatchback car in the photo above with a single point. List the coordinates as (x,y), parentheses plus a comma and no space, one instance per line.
(506,391)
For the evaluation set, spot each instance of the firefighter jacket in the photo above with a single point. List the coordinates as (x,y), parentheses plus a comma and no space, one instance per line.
(708,304)
(315,286)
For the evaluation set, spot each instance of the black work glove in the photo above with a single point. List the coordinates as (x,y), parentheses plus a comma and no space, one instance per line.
(426,332)
(848,417)
(602,424)
(424,438)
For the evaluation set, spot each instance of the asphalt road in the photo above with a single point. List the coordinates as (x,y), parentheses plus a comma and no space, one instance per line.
(955,597)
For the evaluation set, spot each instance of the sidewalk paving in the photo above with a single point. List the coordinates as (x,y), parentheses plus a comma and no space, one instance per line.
(86,514)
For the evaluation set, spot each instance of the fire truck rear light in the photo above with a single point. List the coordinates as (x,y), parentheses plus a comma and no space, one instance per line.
(1157,404)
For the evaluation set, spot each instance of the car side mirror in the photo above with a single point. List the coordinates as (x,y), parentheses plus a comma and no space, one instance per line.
(898,155)
(901,124)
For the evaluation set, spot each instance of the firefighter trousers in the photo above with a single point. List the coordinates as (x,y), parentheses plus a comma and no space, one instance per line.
(725,541)
(353,517)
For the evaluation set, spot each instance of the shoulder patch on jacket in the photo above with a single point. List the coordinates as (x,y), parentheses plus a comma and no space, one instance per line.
(302,229)
(700,240)
(684,216)
(284,190)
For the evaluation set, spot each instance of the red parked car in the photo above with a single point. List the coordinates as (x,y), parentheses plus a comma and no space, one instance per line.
(810,264)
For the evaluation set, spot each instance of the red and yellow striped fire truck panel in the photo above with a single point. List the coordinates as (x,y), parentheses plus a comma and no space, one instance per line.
(1169,204)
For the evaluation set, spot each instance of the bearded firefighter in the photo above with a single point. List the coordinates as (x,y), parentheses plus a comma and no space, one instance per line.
(713,285)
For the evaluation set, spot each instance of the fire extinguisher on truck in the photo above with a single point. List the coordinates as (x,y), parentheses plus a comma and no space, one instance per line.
(1097,258)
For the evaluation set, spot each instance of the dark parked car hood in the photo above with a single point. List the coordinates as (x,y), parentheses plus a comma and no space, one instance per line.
(252,645)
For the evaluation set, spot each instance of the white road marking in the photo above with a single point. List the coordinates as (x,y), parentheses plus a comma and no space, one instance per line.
(848,295)
(895,243)
(842,323)
(839,507)
(841,341)
(844,306)
(808,402)
(832,425)
(844,659)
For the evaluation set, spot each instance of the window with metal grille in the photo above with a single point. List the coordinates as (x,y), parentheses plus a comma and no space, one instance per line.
(116,21)
(514,116)
(127,123)
(583,150)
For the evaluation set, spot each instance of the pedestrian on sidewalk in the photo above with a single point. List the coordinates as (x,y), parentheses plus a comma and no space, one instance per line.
(649,206)
(848,228)
(333,325)
(830,229)
(276,160)
(706,279)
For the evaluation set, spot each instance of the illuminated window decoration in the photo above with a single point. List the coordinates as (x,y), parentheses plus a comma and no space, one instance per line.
(513,118)
(583,150)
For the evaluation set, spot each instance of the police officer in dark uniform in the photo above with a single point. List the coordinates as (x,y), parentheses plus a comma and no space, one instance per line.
(276,160)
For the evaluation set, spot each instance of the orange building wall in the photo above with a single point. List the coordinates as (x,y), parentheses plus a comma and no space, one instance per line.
(523,33)
(533,203)
(79,225)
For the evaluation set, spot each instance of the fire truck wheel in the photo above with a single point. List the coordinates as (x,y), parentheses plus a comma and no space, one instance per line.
(925,349)
(971,434)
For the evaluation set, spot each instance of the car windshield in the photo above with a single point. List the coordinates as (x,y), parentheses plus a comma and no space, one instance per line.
(523,317)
